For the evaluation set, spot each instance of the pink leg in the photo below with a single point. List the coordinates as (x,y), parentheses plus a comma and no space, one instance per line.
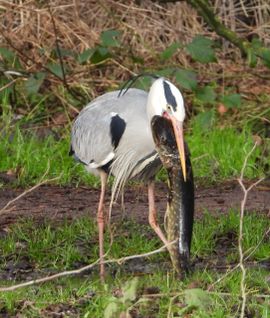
(101,223)
(153,213)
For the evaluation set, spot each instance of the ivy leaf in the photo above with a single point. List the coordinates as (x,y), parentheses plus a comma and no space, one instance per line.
(201,49)
(206,94)
(10,57)
(169,52)
(256,43)
(198,298)
(85,55)
(232,100)
(63,52)
(166,72)
(7,54)
(144,82)
(186,79)
(34,82)
(205,120)
(56,69)
(100,54)
(266,57)
(110,38)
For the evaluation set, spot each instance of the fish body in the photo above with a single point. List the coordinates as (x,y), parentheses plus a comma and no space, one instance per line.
(180,205)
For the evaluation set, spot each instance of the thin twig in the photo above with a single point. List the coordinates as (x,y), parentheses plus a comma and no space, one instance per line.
(240,237)
(85,268)
(59,54)
(8,84)
(58,49)
(4,209)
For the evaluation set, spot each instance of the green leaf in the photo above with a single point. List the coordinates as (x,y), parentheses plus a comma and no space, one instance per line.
(63,52)
(169,52)
(166,72)
(265,54)
(110,38)
(201,49)
(198,298)
(206,94)
(85,55)
(256,43)
(144,82)
(186,79)
(10,58)
(34,82)
(129,290)
(232,100)
(56,69)
(7,54)
(252,58)
(101,54)
(205,120)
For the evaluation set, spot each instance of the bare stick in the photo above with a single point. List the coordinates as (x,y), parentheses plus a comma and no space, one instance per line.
(85,268)
(240,237)
(8,84)
(243,204)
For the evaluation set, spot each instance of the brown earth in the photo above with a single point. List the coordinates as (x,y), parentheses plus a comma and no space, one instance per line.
(54,203)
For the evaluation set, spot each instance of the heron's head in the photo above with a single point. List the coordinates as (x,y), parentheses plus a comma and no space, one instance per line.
(164,99)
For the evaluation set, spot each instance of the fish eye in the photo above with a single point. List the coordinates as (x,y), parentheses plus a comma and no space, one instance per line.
(162,139)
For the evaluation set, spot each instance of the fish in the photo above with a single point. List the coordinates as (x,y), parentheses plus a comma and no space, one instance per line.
(180,201)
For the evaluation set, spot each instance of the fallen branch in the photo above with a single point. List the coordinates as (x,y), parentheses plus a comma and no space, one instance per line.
(83,269)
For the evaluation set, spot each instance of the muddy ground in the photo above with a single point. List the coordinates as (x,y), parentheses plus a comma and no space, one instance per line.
(56,203)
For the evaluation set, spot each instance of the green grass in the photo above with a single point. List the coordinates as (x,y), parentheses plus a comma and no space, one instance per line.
(51,249)
(217,154)
(30,157)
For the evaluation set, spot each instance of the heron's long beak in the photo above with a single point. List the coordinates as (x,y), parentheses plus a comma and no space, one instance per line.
(179,137)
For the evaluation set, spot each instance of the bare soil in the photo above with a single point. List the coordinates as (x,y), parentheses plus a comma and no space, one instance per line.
(54,203)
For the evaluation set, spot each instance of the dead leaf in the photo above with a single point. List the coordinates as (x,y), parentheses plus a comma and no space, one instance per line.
(222,109)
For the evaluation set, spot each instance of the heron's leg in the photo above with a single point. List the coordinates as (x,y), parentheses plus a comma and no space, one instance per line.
(153,213)
(101,222)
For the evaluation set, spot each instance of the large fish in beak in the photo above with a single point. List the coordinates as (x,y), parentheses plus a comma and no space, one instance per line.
(179,138)
(180,207)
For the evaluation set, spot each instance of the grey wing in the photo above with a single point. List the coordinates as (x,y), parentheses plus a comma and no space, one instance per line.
(92,139)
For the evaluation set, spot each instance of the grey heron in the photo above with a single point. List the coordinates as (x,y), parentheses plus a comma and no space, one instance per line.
(112,135)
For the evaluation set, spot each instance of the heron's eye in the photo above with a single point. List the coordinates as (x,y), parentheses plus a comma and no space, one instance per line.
(169,107)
